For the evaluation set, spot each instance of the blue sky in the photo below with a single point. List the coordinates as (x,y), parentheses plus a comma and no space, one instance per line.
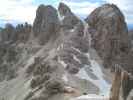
(19,11)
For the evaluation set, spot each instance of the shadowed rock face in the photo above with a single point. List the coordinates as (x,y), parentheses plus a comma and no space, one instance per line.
(46,24)
(110,36)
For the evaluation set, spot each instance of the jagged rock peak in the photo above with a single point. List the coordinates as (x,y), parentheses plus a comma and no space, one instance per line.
(46,23)
(106,13)
(42,14)
(110,35)
(64,9)
(67,18)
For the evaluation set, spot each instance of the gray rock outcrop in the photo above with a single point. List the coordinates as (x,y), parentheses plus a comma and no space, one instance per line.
(110,36)
(69,20)
(46,23)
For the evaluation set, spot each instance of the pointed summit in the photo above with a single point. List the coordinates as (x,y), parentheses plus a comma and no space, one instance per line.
(68,19)
(110,37)
(46,23)
(64,9)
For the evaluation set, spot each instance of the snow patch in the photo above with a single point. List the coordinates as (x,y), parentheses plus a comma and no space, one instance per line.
(102,83)
(76,59)
(61,18)
(62,62)
(72,30)
(76,49)
(60,47)
(91,97)
(65,78)
(97,71)
(82,74)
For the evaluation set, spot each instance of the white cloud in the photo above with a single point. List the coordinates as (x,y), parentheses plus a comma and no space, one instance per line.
(24,10)
(17,10)
(126,7)
(82,8)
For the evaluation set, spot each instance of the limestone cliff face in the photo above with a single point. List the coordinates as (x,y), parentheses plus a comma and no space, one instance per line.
(46,23)
(111,40)
(110,36)
(68,19)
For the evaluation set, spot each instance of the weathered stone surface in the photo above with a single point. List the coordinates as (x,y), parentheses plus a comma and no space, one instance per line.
(110,36)
(72,68)
(54,86)
(69,20)
(73,48)
(46,23)
(64,10)
(40,80)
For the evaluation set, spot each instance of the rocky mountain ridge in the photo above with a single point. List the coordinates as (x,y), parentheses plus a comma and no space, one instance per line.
(61,57)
